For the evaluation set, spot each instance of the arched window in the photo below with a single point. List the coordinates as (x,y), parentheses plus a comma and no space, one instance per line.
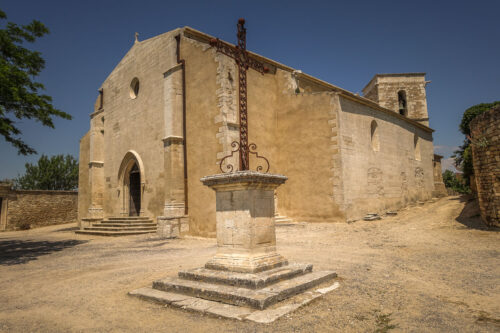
(374,136)
(134,88)
(402,104)
(416,146)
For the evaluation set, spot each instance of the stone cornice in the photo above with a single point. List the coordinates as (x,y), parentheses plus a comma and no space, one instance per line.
(172,140)
(93,114)
(173,69)
(243,180)
(392,75)
(97,164)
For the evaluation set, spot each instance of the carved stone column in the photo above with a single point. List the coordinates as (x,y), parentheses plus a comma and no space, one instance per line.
(173,143)
(174,210)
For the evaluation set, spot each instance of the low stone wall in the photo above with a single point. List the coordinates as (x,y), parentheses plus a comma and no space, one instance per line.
(172,227)
(23,209)
(485,135)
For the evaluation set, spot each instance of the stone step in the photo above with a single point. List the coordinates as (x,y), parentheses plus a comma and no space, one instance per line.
(101,228)
(113,233)
(128,218)
(259,299)
(246,280)
(126,222)
(124,225)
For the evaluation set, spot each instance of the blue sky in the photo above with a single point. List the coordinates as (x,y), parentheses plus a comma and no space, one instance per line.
(345,43)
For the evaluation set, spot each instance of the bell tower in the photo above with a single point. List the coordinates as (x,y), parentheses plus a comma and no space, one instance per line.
(403,93)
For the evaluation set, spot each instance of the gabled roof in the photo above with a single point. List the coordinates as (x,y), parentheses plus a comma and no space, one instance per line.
(201,36)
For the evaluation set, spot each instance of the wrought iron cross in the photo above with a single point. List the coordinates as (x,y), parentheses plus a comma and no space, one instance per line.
(240,55)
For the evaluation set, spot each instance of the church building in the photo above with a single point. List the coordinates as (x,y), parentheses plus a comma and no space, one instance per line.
(168,115)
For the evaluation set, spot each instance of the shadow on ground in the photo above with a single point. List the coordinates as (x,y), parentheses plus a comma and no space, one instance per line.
(470,216)
(68,229)
(15,252)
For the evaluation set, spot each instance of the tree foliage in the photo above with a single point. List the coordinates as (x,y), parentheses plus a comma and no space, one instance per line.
(472,113)
(59,172)
(463,156)
(451,181)
(20,96)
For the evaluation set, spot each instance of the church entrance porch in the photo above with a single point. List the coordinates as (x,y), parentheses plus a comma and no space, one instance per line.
(131,219)
(131,180)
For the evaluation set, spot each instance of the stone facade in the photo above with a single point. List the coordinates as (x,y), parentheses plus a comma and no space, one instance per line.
(183,119)
(485,137)
(23,209)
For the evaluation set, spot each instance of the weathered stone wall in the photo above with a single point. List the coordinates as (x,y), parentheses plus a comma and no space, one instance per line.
(307,154)
(485,134)
(40,208)
(390,175)
(202,128)
(280,125)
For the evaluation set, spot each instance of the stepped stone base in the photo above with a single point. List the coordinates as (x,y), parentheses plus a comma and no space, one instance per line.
(261,297)
(246,280)
(119,226)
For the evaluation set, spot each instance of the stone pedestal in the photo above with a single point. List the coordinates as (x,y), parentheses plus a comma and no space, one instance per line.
(246,238)
(247,278)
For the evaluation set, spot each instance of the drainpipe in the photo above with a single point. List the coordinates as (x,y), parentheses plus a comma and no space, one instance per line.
(183,68)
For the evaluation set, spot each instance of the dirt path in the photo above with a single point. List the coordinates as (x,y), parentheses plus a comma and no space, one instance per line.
(429,269)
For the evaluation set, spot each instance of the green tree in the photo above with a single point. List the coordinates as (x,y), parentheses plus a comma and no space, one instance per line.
(20,96)
(463,156)
(59,172)
(451,181)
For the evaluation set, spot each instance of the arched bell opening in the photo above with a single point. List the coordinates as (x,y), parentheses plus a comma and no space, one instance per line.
(402,103)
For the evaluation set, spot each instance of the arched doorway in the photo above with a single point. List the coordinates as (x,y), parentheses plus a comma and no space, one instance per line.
(134,191)
(132,183)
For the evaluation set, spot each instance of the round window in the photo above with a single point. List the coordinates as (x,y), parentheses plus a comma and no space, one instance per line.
(134,88)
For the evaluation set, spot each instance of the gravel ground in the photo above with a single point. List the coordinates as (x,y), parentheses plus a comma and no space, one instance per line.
(431,268)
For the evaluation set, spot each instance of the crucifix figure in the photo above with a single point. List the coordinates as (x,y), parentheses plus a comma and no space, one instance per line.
(240,55)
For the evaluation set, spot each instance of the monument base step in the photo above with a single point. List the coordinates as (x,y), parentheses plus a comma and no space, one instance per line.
(246,280)
(256,298)
(229,311)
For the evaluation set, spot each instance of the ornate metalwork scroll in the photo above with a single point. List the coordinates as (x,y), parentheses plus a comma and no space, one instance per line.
(251,150)
(240,55)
